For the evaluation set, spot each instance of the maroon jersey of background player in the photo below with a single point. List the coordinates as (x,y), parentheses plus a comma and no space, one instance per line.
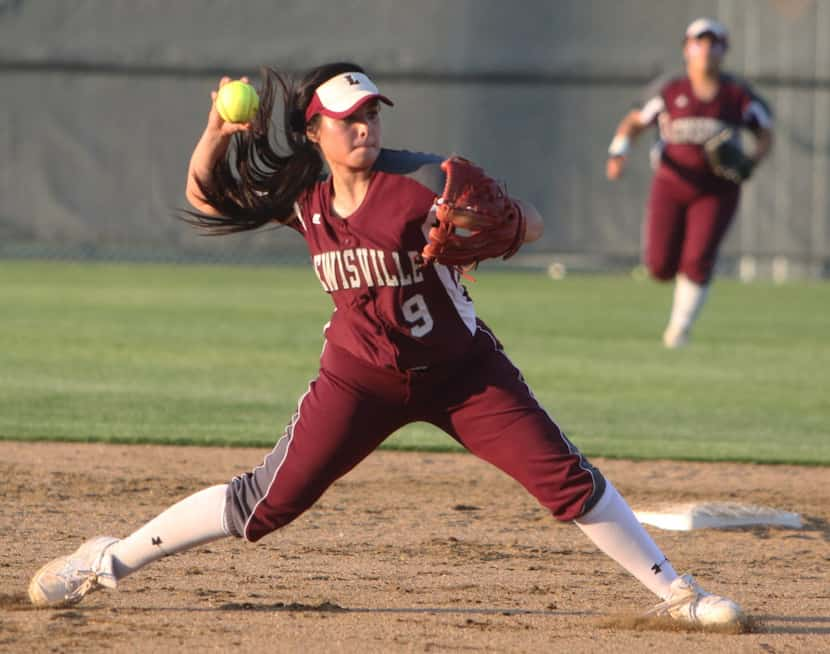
(686,122)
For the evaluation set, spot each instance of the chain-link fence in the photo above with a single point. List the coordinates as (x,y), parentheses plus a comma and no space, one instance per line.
(102,101)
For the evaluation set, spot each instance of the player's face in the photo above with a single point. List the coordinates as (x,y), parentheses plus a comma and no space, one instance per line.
(704,53)
(353,142)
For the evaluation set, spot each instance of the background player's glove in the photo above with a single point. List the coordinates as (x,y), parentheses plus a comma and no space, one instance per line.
(726,158)
(476,219)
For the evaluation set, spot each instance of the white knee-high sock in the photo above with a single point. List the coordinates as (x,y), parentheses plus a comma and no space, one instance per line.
(613,527)
(195,520)
(689,299)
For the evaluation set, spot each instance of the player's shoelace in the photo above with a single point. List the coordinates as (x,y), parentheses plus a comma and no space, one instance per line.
(692,595)
(71,575)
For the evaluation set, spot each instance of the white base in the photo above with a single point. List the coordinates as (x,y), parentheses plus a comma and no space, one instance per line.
(685,517)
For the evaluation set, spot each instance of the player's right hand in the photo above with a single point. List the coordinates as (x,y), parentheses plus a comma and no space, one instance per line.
(215,121)
(614,167)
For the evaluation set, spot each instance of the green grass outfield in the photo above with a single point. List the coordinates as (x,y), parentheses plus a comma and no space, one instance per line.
(220,355)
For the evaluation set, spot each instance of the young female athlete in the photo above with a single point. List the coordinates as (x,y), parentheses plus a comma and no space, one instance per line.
(403,344)
(690,207)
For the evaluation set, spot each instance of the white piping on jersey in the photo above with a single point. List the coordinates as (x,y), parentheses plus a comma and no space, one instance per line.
(463,304)
(300,216)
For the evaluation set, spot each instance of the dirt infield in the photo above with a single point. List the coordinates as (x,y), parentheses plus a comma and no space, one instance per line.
(408,553)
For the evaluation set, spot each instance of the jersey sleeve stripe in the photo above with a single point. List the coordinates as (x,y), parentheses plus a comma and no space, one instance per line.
(650,110)
(757,113)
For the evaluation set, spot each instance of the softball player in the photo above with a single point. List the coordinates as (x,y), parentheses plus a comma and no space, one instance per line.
(403,344)
(690,208)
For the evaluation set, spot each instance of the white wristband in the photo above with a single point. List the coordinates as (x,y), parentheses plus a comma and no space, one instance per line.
(619,146)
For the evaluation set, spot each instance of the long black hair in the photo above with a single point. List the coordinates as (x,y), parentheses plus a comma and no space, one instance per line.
(258,181)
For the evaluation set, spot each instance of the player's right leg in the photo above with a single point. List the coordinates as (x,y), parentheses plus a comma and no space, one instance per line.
(339,421)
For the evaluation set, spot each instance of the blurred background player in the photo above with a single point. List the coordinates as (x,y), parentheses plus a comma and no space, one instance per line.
(404,344)
(690,207)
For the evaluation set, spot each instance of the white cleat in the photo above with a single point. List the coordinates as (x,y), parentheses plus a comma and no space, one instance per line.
(689,603)
(67,579)
(674,338)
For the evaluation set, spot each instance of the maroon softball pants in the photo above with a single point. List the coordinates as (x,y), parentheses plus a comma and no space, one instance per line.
(481,401)
(685,226)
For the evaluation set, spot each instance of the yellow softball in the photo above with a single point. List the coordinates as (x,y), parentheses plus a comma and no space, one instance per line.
(237,102)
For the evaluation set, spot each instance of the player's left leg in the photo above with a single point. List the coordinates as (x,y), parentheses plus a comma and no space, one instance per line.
(708,220)
(494,414)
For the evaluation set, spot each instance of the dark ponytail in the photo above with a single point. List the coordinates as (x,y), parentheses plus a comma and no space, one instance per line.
(254,184)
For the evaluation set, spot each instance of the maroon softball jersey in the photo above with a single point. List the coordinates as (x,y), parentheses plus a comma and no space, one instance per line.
(686,123)
(389,311)
(689,208)
(403,345)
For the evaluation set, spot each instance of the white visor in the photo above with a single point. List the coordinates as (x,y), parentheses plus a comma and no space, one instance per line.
(342,95)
